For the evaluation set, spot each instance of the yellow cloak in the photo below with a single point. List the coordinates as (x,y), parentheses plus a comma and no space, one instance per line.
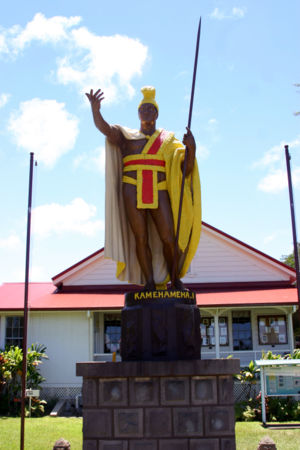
(119,239)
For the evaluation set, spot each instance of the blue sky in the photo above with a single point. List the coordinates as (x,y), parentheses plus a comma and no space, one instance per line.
(51,52)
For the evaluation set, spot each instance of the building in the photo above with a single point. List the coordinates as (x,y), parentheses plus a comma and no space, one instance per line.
(246,300)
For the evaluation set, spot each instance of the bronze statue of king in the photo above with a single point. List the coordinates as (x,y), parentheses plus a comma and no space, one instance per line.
(143,181)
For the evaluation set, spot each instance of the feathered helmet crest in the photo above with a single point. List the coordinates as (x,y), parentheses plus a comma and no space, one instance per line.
(148,96)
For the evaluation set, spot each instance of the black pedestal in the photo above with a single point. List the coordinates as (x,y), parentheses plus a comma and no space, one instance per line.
(160,326)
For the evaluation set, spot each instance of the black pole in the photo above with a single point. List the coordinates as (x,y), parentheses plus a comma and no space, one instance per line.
(289,175)
(25,320)
(175,263)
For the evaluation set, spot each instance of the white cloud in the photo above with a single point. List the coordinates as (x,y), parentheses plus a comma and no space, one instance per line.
(274,236)
(94,160)
(38,273)
(44,127)
(44,30)
(3,99)
(183,73)
(54,29)
(11,242)
(202,152)
(274,161)
(212,124)
(3,46)
(77,216)
(238,12)
(89,60)
(235,13)
(271,156)
(217,14)
(212,121)
(271,237)
(109,62)
(275,154)
(276,180)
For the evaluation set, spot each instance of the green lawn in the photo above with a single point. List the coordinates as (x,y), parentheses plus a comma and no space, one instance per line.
(40,434)
(248,435)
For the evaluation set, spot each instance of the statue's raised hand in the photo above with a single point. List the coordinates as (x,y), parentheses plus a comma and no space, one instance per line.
(188,140)
(95,99)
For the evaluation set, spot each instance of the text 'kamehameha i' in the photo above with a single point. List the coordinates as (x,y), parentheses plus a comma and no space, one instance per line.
(143,295)
(160,297)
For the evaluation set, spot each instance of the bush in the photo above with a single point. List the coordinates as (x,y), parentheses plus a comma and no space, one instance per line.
(11,378)
(278,409)
(248,377)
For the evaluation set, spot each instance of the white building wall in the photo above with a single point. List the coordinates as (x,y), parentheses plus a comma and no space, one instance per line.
(246,355)
(218,259)
(66,336)
(278,348)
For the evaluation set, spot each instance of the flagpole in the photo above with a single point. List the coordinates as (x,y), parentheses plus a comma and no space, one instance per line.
(289,175)
(25,320)
(175,263)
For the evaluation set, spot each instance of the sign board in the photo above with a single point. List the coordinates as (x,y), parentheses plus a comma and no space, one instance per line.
(284,380)
(282,385)
(32,393)
(279,377)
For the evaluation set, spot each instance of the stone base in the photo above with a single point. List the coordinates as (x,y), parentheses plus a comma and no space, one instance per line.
(178,405)
(160,326)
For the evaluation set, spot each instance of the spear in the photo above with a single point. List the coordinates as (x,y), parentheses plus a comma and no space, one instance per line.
(175,264)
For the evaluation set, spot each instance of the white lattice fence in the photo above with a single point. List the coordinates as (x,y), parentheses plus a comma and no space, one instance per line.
(241,390)
(60,392)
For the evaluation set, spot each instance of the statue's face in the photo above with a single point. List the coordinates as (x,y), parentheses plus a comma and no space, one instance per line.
(148,113)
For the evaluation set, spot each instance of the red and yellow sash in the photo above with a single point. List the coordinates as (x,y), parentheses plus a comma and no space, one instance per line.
(147,164)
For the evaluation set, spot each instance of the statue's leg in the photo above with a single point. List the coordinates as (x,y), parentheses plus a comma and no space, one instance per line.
(138,223)
(163,219)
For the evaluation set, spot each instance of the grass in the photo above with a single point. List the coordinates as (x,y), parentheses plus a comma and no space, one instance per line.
(248,435)
(41,433)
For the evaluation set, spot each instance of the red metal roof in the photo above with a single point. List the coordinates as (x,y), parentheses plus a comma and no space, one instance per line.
(43,297)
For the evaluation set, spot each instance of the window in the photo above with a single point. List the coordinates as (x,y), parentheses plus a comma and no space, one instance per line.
(207,326)
(14,331)
(272,330)
(112,333)
(241,330)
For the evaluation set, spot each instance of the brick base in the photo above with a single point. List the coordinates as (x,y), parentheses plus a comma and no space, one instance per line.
(178,405)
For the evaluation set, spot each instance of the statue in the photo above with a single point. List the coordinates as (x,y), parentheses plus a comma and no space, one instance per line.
(143,179)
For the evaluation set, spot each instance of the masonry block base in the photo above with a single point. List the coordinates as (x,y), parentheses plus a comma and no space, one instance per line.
(151,405)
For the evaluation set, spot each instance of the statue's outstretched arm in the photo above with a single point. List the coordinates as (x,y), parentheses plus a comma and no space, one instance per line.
(113,134)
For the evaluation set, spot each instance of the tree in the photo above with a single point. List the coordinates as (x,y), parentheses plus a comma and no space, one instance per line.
(290,259)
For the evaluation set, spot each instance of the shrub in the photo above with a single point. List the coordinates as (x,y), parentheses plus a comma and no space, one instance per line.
(248,377)
(11,378)
(278,409)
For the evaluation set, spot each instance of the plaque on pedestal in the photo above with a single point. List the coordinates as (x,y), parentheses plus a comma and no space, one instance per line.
(160,326)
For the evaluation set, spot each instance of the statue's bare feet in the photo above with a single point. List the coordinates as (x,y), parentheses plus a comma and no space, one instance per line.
(178,284)
(149,286)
